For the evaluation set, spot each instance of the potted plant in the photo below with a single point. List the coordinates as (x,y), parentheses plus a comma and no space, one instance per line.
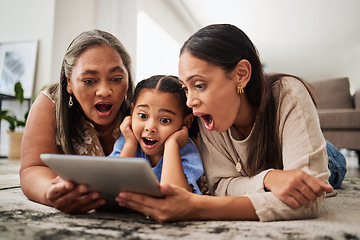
(15,135)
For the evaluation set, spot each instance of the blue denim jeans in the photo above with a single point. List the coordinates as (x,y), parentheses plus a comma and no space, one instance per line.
(337,165)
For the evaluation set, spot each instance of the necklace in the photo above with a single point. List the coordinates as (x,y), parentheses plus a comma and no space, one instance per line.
(238,164)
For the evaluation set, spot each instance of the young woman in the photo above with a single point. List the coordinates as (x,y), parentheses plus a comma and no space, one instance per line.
(81,114)
(260,139)
(157,130)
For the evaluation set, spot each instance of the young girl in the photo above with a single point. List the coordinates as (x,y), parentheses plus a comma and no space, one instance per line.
(157,130)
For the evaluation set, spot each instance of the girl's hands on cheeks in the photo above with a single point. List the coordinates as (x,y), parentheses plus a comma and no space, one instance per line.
(295,187)
(68,198)
(130,146)
(177,204)
(181,137)
(127,132)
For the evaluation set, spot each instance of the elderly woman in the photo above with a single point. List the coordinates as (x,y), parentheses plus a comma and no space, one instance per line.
(81,114)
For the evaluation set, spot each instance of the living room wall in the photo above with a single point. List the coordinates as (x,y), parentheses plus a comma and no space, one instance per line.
(18,22)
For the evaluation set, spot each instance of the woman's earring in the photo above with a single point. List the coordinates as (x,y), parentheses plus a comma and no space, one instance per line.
(240,90)
(125,99)
(71,103)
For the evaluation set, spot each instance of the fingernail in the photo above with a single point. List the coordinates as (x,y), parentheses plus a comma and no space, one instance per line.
(68,186)
(82,189)
(95,196)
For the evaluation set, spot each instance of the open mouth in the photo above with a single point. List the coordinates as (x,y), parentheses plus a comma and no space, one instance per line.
(208,120)
(149,143)
(103,107)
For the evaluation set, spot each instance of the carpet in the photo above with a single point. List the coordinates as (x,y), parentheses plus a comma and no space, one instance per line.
(21,218)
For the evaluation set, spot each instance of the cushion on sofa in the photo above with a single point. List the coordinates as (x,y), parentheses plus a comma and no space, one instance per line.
(333,93)
(340,119)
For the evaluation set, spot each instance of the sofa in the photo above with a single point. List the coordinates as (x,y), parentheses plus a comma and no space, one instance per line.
(339,112)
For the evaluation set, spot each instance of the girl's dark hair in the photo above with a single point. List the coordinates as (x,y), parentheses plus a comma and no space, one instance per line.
(69,126)
(224,45)
(168,84)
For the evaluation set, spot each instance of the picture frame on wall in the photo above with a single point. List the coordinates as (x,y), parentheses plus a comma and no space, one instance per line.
(18,63)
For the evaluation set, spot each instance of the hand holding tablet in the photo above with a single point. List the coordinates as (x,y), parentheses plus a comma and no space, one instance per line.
(106,175)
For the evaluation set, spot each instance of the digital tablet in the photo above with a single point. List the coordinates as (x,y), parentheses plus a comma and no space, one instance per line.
(106,175)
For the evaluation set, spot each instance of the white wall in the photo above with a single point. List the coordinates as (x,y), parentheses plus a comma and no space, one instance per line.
(70,19)
(168,15)
(56,22)
(157,51)
(162,29)
(18,22)
(119,17)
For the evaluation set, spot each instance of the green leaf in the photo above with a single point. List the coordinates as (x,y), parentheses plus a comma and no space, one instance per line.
(11,119)
(3,114)
(19,92)
(20,123)
(26,115)
(10,116)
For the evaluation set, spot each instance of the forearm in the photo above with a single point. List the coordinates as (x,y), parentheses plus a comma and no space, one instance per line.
(172,170)
(35,181)
(270,208)
(35,176)
(129,150)
(220,208)
(240,185)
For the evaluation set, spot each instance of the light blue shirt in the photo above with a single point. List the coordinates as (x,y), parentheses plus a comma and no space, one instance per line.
(190,159)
